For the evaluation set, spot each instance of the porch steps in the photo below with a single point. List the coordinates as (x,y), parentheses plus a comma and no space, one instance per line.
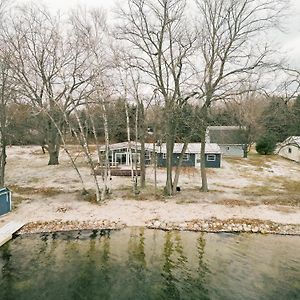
(7,231)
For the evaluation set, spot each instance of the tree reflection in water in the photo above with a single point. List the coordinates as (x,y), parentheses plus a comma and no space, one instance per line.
(137,263)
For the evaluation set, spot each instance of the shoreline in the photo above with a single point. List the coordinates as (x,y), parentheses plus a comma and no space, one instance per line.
(213,225)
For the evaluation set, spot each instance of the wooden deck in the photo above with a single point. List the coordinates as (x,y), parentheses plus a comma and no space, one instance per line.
(7,231)
(119,172)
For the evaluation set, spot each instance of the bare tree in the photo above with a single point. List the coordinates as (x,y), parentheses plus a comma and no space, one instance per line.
(135,91)
(6,96)
(232,50)
(7,93)
(51,65)
(160,45)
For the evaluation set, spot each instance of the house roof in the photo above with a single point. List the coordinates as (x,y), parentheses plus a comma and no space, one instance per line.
(292,140)
(118,146)
(225,135)
(192,148)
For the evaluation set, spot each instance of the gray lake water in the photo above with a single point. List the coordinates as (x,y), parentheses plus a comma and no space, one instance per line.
(138,263)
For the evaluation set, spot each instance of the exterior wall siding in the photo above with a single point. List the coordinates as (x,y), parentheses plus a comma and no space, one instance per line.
(232,150)
(291,152)
(213,164)
(161,162)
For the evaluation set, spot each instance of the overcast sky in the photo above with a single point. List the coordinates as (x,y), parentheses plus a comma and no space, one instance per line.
(288,42)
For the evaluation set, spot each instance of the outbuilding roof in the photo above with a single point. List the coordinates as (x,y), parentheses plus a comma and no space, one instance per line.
(292,140)
(225,135)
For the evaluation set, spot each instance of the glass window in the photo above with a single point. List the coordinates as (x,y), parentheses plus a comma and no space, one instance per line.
(147,155)
(211,157)
(186,156)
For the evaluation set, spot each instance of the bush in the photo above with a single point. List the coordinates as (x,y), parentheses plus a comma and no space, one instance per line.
(266,145)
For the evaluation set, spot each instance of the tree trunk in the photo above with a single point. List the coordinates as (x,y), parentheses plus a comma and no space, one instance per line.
(53,155)
(204,187)
(84,144)
(155,169)
(142,134)
(53,141)
(2,144)
(245,149)
(134,184)
(178,167)
(170,138)
(106,175)
(2,161)
(169,163)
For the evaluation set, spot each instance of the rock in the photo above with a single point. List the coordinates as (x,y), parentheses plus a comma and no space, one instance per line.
(205,226)
(196,226)
(248,228)
(163,225)
(156,224)
(182,226)
(255,229)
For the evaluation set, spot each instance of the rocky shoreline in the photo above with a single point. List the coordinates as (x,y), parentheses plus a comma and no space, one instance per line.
(212,225)
(231,225)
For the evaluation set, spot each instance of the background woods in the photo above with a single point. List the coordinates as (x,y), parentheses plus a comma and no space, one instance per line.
(161,71)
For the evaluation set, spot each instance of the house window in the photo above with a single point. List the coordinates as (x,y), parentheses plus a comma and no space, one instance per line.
(164,155)
(186,157)
(211,157)
(290,150)
(147,155)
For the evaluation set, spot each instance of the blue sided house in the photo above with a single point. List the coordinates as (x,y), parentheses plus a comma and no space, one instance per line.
(119,154)
(192,155)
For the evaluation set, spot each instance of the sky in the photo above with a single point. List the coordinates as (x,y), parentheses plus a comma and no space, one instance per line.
(287,42)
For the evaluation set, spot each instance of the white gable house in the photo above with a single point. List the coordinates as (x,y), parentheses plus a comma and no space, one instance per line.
(290,148)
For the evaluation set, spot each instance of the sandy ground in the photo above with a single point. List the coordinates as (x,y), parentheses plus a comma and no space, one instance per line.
(265,188)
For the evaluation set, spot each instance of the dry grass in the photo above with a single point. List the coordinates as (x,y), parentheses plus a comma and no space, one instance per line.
(292,186)
(17,200)
(254,160)
(225,186)
(232,203)
(186,201)
(145,194)
(45,191)
(288,200)
(283,191)
(258,190)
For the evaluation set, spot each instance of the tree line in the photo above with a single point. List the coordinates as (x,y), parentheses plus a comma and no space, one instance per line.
(170,65)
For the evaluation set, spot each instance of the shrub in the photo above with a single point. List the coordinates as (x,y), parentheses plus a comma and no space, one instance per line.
(266,145)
